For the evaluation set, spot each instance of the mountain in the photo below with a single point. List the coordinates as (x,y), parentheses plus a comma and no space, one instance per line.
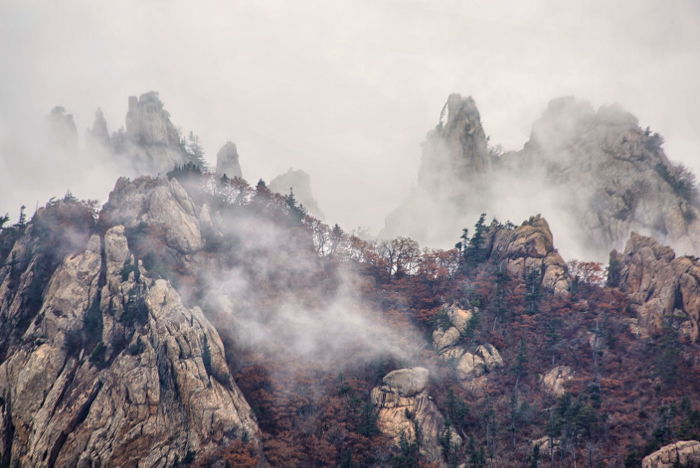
(596,175)
(196,320)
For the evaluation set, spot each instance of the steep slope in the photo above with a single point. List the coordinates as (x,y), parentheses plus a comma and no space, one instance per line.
(102,363)
(151,144)
(153,330)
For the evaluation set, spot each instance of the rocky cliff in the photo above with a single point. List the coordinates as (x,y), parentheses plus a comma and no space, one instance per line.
(683,453)
(406,412)
(103,364)
(664,289)
(151,143)
(597,175)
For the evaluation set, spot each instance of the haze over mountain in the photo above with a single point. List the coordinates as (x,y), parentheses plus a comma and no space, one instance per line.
(172,295)
(596,175)
(351,109)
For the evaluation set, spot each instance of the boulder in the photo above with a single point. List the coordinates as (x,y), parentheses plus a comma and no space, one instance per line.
(402,403)
(554,380)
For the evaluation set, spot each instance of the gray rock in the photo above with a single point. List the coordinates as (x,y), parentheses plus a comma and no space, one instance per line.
(113,370)
(407,382)
(597,173)
(659,285)
(161,203)
(227,161)
(299,183)
(554,380)
(682,453)
(402,401)
(151,143)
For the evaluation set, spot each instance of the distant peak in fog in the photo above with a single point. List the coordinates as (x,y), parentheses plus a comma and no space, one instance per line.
(595,174)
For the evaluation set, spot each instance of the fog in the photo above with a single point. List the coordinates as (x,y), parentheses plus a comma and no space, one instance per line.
(345,91)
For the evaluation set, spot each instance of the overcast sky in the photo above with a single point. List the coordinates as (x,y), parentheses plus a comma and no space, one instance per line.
(343,90)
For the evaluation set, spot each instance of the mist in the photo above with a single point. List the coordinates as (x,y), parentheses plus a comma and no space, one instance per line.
(345,91)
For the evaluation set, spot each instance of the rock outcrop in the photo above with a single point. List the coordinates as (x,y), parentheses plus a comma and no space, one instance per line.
(683,453)
(104,365)
(530,248)
(660,286)
(617,176)
(403,403)
(554,380)
(151,143)
(448,341)
(298,182)
(596,174)
(456,150)
(227,161)
(156,203)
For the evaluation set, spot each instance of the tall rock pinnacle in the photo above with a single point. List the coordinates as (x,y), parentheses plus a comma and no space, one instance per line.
(456,149)
(227,161)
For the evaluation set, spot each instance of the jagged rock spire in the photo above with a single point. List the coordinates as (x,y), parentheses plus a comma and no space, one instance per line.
(456,149)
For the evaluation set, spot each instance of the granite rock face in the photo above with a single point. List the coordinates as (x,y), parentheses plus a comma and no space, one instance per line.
(683,453)
(151,144)
(99,132)
(554,380)
(403,402)
(661,286)
(101,364)
(159,203)
(456,150)
(619,178)
(530,248)
(471,367)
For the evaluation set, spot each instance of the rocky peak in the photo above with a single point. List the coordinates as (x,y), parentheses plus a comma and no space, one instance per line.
(102,364)
(99,132)
(227,161)
(530,248)
(299,182)
(148,123)
(62,132)
(595,172)
(151,143)
(456,149)
(664,290)
(156,204)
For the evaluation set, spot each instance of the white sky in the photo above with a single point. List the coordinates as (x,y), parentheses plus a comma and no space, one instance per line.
(343,90)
